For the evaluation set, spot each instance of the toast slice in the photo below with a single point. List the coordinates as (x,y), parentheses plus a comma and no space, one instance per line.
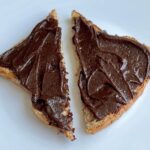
(37,64)
(114,72)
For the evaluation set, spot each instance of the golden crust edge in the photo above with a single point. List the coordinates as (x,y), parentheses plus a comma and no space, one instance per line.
(94,125)
(76,15)
(53,14)
(41,116)
(10,75)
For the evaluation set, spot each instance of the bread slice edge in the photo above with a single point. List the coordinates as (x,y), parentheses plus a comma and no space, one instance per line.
(93,125)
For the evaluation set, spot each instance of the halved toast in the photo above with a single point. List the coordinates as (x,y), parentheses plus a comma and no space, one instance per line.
(37,65)
(114,72)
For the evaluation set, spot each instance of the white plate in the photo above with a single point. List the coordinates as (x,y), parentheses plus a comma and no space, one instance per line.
(19,128)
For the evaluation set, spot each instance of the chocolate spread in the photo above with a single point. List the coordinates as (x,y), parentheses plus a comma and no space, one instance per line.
(112,68)
(37,63)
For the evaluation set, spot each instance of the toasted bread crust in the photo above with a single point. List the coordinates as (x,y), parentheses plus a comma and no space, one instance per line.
(92,124)
(41,116)
(76,15)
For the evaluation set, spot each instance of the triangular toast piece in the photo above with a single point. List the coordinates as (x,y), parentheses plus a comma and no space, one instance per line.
(37,64)
(114,72)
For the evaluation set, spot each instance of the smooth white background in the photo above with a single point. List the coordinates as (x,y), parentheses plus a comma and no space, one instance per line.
(19,128)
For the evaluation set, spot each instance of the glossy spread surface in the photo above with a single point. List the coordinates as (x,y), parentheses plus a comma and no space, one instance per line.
(112,68)
(37,63)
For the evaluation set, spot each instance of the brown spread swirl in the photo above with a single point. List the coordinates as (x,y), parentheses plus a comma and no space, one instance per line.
(112,68)
(37,63)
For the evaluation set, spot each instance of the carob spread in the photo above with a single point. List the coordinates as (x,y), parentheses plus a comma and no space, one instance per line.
(112,68)
(37,63)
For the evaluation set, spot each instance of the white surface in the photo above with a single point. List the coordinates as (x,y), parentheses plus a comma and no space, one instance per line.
(19,128)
